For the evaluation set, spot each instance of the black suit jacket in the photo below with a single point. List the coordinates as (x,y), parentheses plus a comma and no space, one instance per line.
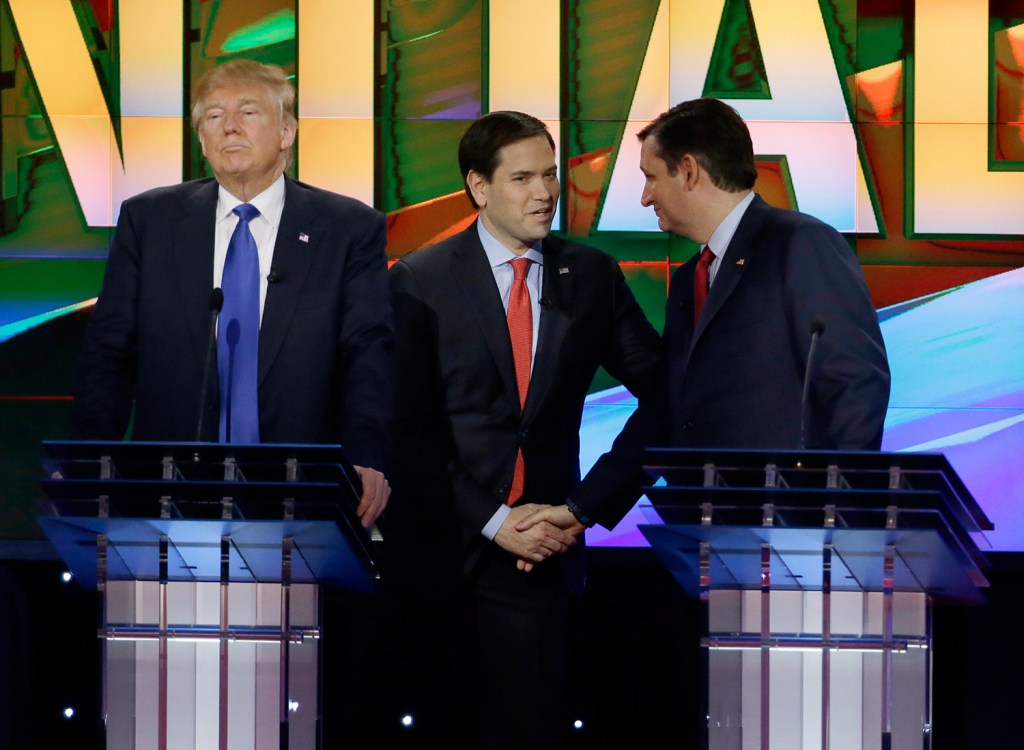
(325,336)
(458,421)
(736,379)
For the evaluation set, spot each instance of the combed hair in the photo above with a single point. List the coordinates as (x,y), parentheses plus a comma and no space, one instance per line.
(483,140)
(714,134)
(281,90)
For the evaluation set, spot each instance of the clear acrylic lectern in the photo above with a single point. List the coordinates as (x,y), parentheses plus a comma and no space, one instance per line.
(816,573)
(208,561)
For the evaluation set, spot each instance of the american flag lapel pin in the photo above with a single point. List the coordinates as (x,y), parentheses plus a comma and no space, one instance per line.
(303,237)
(741,261)
(563,269)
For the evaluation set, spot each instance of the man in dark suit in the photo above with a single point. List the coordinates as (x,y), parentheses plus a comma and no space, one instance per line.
(324,335)
(773,280)
(478,448)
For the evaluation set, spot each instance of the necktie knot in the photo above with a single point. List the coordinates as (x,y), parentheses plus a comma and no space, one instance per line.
(519,268)
(246,212)
(706,257)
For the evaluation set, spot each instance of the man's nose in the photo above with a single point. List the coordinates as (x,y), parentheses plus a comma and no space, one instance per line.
(232,122)
(543,190)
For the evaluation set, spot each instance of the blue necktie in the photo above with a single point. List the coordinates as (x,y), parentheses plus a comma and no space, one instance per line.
(238,334)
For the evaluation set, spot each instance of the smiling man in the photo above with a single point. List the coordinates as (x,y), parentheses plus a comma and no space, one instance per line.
(499,333)
(304,337)
(769,287)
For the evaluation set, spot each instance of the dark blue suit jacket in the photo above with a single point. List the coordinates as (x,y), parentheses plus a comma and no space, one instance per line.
(736,379)
(325,336)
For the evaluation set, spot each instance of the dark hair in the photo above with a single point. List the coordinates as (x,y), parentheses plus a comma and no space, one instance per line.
(714,134)
(484,139)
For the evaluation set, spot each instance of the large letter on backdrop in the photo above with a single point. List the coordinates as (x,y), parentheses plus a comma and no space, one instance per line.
(336,80)
(806,119)
(523,63)
(150,153)
(954,191)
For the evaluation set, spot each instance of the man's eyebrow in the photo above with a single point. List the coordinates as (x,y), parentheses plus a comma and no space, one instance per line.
(221,105)
(526,172)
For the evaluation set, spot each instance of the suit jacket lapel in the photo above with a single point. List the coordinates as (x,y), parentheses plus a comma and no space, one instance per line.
(554,322)
(297,242)
(730,271)
(193,241)
(474,277)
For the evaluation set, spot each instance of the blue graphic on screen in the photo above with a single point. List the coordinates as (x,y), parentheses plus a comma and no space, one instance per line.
(957,362)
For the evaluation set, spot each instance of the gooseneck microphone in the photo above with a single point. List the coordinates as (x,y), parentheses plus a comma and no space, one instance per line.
(216,303)
(817,328)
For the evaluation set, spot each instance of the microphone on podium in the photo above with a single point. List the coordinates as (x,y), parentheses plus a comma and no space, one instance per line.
(216,303)
(817,328)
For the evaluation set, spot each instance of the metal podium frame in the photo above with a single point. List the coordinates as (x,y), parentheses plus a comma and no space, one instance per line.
(816,573)
(208,559)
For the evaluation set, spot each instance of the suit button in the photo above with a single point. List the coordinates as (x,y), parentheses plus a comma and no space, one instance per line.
(521,437)
(688,426)
(503,490)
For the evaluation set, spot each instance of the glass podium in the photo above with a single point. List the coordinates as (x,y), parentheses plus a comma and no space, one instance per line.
(208,561)
(816,573)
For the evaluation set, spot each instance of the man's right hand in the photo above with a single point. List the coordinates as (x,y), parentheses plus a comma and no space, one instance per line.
(535,544)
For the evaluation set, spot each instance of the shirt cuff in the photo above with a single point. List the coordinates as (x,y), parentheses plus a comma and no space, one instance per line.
(491,529)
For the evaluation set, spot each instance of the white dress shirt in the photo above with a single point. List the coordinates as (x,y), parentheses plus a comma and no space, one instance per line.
(270,204)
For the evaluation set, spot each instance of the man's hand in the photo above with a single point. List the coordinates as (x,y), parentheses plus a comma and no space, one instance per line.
(552,515)
(376,492)
(557,515)
(534,544)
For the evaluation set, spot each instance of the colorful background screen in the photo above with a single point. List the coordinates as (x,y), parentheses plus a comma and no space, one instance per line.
(898,123)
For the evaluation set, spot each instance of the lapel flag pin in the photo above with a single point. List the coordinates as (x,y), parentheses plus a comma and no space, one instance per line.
(741,261)
(563,269)
(303,237)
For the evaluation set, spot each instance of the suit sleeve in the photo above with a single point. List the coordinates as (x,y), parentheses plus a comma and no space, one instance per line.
(850,373)
(365,339)
(105,374)
(634,355)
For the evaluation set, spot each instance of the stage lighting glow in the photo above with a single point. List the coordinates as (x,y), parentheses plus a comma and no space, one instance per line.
(66,576)
(68,712)
(273,29)
(8,330)
(578,724)
(407,721)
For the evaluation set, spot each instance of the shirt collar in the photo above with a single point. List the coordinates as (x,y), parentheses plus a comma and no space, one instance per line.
(722,236)
(498,254)
(270,202)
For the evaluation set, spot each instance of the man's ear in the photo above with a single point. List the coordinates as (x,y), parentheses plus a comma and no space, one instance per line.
(288,131)
(478,185)
(689,170)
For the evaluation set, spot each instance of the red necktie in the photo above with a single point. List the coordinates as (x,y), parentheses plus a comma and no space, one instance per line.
(700,282)
(520,330)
